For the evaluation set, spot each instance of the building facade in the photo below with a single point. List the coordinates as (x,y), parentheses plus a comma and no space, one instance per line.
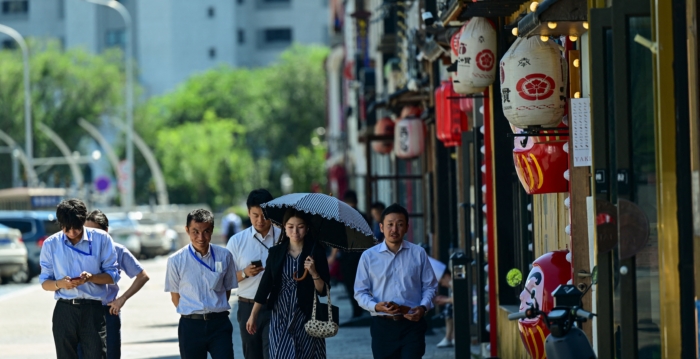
(174,39)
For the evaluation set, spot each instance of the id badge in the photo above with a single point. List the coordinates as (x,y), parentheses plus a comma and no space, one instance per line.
(219,267)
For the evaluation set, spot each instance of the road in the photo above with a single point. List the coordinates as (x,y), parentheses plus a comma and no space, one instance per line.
(149,323)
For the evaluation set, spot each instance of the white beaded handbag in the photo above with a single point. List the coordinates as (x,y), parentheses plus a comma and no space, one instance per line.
(320,328)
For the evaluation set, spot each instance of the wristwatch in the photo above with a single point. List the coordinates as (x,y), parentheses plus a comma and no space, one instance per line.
(244,275)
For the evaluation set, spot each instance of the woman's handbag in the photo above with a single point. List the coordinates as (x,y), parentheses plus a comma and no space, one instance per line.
(320,328)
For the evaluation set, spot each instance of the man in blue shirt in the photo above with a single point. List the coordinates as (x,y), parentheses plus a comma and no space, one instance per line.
(77,264)
(200,277)
(112,305)
(396,284)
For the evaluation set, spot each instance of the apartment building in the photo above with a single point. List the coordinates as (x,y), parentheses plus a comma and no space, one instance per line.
(174,39)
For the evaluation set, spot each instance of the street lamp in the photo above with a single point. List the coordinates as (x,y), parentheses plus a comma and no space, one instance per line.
(128,54)
(27,95)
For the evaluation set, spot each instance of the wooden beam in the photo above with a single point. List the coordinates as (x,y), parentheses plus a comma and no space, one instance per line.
(579,190)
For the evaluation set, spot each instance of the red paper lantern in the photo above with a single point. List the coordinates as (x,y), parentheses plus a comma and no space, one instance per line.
(383,127)
(409,137)
(540,163)
(450,119)
(548,272)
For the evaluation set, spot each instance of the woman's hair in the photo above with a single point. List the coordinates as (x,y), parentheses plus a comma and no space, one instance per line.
(98,217)
(293,213)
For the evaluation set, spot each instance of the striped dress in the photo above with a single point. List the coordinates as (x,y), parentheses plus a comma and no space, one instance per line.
(288,339)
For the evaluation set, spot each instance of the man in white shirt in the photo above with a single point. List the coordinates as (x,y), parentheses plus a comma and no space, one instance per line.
(250,250)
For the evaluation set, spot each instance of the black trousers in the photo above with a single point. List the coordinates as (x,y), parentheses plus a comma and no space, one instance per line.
(348,268)
(79,323)
(256,346)
(197,337)
(402,339)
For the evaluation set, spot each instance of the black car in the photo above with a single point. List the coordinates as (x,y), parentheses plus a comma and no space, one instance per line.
(36,227)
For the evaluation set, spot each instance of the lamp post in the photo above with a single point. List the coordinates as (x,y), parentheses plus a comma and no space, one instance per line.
(128,54)
(27,95)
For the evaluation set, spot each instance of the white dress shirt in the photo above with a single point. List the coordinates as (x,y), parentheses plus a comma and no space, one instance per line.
(405,278)
(245,249)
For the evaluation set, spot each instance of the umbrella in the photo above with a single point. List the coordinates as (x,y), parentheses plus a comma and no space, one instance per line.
(333,222)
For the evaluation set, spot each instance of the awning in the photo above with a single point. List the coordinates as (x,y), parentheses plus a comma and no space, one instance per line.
(555,18)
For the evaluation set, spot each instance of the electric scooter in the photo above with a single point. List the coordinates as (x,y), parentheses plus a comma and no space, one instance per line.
(566,340)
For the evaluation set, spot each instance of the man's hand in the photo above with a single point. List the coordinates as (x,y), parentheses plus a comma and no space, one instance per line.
(66,283)
(441,300)
(84,278)
(253,270)
(116,305)
(415,314)
(388,308)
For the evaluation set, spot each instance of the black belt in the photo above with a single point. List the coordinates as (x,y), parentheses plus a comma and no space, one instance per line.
(206,316)
(394,318)
(246,300)
(81,301)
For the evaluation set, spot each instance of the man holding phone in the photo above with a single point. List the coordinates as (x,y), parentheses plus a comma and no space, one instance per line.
(77,264)
(396,284)
(250,249)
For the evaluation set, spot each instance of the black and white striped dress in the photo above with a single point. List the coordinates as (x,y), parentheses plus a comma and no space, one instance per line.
(288,339)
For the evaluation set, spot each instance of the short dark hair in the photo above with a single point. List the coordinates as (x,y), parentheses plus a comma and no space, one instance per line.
(98,217)
(200,216)
(378,205)
(350,196)
(71,213)
(394,208)
(258,197)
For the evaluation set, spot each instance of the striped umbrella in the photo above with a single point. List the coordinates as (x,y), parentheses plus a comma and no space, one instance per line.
(333,222)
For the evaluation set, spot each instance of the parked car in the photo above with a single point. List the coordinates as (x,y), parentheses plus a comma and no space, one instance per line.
(125,232)
(36,227)
(13,256)
(155,238)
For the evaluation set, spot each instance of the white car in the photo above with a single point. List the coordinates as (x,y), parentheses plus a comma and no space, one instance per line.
(155,237)
(125,232)
(13,255)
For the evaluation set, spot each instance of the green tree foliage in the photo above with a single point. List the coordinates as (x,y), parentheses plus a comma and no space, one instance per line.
(275,108)
(307,166)
(65,86)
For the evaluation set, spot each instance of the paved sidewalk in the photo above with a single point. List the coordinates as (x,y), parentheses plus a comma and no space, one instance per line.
(149,324)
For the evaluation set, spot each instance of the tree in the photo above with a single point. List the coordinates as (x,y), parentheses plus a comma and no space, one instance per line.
(65,86)
(307,166)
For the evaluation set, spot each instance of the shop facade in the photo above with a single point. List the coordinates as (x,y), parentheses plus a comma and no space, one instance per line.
(512,130)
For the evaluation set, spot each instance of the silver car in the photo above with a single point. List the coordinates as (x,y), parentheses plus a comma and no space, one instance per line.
(13,255)
(125,232)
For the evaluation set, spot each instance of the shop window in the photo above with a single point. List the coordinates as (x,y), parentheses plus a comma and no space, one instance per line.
(15,7)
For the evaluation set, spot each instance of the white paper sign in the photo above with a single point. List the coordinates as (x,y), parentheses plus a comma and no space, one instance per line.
(580,128)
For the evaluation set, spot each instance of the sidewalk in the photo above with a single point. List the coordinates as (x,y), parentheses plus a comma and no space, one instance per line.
(149,325)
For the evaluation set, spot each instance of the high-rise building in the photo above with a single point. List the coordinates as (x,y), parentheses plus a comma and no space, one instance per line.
(174,39)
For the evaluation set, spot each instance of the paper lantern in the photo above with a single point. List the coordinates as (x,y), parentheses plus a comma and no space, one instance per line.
(548,272)
(410,111)
(383,127)
(409,138)
(461,88)
(476,62)
(533,83)
(450,120)
(540,162)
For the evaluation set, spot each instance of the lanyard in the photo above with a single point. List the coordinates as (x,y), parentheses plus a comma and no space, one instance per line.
(255,235)
(200,261)
(78,250)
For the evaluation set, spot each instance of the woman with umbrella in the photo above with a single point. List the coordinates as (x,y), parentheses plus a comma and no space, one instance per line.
(290,299)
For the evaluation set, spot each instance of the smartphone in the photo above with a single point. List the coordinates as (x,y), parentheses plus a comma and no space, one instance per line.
(76,278)
(257,263)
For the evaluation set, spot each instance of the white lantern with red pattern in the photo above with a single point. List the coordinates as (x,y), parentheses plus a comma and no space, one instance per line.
(460,87)
(533,83)
(409,138)
(476,62)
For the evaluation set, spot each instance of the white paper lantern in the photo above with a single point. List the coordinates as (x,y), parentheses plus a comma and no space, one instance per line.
(533,83)
(461,88)
(476,61)
(409,138)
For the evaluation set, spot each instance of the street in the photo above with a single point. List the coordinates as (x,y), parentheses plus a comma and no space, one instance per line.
(149,323)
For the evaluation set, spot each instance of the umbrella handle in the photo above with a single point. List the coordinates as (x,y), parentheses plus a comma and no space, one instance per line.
(306,271)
